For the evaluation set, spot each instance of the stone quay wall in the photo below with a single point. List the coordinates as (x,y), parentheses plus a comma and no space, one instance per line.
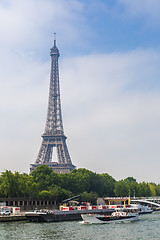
(29,204)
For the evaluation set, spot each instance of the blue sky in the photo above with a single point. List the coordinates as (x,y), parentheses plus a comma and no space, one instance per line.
(108,26)
(110,83)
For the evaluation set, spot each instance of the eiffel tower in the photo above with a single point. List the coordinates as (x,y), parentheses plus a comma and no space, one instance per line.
(53,137)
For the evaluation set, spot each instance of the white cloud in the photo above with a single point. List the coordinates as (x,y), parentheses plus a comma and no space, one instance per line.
(26,26)
(111,117)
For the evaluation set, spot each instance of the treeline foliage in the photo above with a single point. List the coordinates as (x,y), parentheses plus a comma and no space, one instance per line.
(43,183)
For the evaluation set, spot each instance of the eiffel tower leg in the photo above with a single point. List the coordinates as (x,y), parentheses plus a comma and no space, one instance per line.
(66,153)
(60,154)
(42,153)
(45,153)
(48,156)
(63,154)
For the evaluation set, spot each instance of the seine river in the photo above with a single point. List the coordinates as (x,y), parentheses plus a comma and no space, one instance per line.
(147,228)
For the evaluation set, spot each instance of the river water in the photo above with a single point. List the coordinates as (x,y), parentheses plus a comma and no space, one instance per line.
(146,228)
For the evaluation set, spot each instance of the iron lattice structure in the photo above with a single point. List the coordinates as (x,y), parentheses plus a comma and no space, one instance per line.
(53,136)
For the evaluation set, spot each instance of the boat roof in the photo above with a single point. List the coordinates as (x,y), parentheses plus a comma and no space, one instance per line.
(116,198)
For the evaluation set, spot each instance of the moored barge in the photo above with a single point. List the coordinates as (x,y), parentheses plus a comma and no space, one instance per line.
(58,215)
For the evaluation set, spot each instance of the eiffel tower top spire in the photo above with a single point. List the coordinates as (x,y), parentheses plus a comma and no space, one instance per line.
(54,49)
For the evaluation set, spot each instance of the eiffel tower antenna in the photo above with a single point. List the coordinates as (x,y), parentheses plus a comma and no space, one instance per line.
(54,39)
(53,136)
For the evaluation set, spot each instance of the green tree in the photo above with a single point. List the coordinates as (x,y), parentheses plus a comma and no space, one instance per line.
(77,181)
(152,187)
(108,185)
(89,197)
(121,188)
(157,187)
(42,175)
(33,189)
(144,190)
(62,194)
(9,184)
(45,195)
(23,182)
(130,179)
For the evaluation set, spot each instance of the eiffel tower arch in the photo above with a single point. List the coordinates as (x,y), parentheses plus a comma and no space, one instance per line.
(53,136)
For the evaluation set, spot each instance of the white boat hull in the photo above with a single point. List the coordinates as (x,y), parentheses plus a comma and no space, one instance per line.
(97,218)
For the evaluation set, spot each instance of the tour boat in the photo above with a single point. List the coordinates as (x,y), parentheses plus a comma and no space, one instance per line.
(117,216)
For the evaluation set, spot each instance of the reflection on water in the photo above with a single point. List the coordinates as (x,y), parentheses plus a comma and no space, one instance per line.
(146,228)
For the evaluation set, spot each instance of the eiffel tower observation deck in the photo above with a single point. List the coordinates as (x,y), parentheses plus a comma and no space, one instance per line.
(53,139)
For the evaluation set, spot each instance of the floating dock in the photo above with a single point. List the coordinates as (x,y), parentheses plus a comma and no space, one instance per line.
(12,218)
